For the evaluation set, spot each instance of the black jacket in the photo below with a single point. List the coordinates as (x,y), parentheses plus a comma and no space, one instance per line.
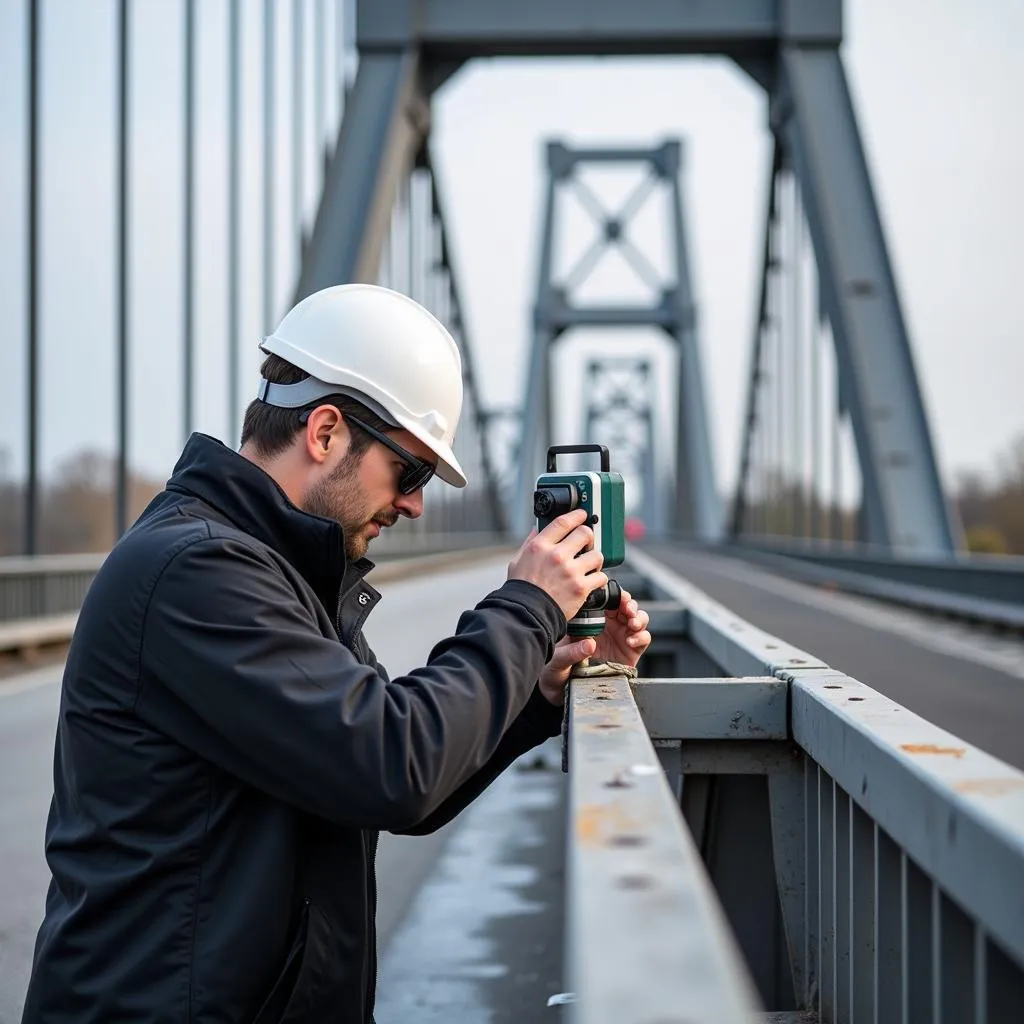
(223,763)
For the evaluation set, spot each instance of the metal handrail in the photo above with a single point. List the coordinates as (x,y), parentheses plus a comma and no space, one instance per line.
(896,848)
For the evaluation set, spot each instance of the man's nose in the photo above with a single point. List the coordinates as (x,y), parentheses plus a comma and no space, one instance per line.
(411,505)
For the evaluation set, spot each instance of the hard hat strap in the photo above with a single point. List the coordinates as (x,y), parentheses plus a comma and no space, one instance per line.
(311,389)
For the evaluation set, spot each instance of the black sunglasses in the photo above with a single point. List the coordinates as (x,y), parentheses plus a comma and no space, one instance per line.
(416,472)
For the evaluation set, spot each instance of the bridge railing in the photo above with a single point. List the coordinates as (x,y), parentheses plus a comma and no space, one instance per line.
(864,862)
(40,595)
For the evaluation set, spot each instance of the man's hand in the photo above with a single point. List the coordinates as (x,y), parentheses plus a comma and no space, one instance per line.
(624,639)
(552,560)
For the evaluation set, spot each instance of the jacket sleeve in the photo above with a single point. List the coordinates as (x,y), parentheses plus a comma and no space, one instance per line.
(538,721)
(235,668)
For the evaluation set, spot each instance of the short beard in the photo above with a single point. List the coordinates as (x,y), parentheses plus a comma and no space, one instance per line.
(335,497)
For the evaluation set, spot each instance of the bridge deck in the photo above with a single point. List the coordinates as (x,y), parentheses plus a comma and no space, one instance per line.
(471,918)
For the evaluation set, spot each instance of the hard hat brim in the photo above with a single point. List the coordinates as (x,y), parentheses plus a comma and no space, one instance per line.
(448,468)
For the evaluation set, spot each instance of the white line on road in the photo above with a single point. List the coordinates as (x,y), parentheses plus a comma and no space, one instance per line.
(964,642)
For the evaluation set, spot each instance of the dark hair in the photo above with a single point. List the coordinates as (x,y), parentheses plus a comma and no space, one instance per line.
(272,429)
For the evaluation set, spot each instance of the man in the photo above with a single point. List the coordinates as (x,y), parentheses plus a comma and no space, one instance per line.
(223,764)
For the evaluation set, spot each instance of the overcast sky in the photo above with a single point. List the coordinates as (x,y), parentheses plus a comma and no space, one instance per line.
(937,89)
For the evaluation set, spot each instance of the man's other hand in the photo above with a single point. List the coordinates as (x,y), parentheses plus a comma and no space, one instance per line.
(624,639)
(560,559)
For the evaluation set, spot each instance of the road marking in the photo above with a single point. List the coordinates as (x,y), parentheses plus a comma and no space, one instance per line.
(955,639)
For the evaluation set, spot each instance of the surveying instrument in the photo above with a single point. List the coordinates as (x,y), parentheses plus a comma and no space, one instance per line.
(603,495)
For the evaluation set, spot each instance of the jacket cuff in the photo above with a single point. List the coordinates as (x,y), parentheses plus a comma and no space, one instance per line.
(540,603)
(542,716)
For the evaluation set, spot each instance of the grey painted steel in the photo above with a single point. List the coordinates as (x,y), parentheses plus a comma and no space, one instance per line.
(740,708)
(46,585)
(996,577)
(897,848)
(32,205)
(188,216)
(739,648)
(645,936)
(696,510)
(903,501)
(384,126)
(457,324)
(234,212)
(535,422)
(479,28)
(991,593)
(122,189)
(958,812)
(756,412)
(269,158)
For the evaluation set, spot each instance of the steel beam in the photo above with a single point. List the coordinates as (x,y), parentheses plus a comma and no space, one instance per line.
(903,500)
(488,28)
(646,938)
(948,805)
(385,125)
(698,511)
(707,709)
(536,418)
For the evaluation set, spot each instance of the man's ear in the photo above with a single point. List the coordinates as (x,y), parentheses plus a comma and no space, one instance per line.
(325,428)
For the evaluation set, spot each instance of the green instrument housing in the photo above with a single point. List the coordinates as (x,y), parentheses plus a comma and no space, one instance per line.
(603,495)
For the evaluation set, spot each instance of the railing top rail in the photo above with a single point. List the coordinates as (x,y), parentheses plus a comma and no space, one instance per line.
(31,565)
(955,810)
(648,939)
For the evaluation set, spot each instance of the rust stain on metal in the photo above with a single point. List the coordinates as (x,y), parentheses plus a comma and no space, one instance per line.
(599,824)
(989,787)
(933,748)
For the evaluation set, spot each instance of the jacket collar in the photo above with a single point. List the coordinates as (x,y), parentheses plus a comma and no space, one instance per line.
(254,502)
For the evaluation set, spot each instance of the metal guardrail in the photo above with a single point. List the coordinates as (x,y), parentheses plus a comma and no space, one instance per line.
(40,596)
(868,863)
(983,588)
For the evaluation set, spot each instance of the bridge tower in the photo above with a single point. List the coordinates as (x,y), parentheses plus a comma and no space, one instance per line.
(620,414)
(409,48)
(669,306)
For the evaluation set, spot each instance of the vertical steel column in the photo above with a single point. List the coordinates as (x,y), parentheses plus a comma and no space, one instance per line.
(32,312)
(755,431)
(188,311)
(779,393)
(536,425)
(697,484)
(817,491)
(121,511)
(838,529)
(269,156)
(234,200)
(298,126)
(796,299)
(319,33)
(902,501)
(339,56)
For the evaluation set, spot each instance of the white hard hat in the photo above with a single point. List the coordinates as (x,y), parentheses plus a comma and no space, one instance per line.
(381,348)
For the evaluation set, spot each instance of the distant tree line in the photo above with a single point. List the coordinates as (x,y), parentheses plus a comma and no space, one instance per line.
(990,508)
(76,507)
(992,511)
